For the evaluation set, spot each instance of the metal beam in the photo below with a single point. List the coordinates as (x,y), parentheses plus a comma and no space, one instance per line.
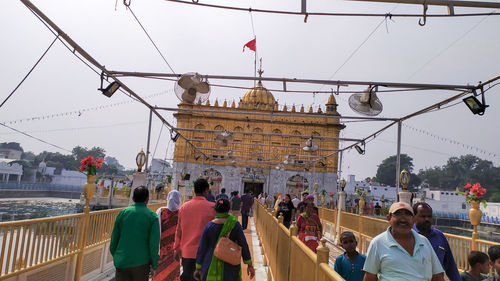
(267,134)
(304,81)
(448,3)
(261,144)
(272,114)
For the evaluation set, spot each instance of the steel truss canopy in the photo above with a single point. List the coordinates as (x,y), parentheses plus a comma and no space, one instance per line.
(340,83)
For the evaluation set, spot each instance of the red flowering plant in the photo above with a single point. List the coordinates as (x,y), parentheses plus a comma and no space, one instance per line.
(474,193)
(90,165)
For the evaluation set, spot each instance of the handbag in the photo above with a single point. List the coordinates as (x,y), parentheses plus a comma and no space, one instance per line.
(228,251)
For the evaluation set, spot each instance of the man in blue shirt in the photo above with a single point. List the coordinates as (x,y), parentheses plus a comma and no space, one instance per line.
(222,194)
(423,225)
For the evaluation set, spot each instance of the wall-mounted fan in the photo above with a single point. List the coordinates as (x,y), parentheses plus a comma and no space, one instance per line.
(366,103)
(191,88)
(225,138)
(310,145)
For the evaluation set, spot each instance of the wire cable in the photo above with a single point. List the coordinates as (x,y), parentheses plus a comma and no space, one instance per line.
(449,46)
(150,39)
(38,139)
(29,72)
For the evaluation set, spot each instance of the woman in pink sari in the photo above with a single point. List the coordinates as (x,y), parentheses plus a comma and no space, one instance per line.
(309,227)
(168,268)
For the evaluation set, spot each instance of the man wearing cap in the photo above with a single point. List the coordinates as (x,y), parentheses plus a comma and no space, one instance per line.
(400,253)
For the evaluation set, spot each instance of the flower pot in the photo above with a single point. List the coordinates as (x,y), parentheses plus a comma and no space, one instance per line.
(89,187)
(475,213)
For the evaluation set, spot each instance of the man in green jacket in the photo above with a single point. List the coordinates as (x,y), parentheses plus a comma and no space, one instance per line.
(135,240)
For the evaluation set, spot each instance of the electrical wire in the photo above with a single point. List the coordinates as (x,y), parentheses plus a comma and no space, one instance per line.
(150,39)
(29,72)
(448,47)
(328,14)
(38,139)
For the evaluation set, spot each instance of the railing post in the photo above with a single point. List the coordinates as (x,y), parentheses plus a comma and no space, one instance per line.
(280,218)
(88,192)
(322,256)
(360,229)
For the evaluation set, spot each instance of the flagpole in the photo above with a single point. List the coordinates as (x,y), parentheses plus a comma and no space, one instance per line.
(255,61)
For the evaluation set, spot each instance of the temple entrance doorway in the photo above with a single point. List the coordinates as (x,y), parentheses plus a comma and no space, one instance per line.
(254,187)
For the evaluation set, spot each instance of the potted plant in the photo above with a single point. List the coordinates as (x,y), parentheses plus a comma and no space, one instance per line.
(473,195)
(89,166)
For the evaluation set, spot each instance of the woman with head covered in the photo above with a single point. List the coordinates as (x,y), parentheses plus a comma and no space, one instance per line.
(168,267)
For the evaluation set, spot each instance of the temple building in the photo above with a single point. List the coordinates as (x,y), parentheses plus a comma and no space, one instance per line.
(255,145)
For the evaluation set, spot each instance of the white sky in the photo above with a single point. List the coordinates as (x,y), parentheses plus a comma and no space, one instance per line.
(461,50)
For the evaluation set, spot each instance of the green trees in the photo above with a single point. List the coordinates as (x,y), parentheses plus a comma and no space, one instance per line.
(386,172)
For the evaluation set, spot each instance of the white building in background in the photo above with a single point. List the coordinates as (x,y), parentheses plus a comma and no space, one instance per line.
(442,202)
(10,172)
(63,177)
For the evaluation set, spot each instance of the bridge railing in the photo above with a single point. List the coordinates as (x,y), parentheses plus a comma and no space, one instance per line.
(365,228)
(289,259)
(49,246)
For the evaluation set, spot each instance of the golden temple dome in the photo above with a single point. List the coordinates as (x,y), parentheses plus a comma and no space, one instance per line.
(331,100)
(258,96)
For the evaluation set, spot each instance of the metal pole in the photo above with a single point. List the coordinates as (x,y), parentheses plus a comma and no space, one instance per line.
(149,138)
(339,172)
(398,161)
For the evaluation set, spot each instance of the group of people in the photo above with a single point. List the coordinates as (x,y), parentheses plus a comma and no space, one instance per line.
(146,244)
(306,216)
(411,249)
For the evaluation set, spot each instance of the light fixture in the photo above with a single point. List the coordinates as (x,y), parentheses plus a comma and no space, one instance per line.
(140,160)
(174,137)
(404,178)
(310,145)
(359,149)
(110,89)
(475,105)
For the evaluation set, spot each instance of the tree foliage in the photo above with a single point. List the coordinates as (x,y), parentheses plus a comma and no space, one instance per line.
(386,172)
(11,145)
(460,170)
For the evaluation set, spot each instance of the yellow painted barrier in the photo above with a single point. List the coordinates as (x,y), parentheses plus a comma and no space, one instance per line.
(30,244)
(287,257)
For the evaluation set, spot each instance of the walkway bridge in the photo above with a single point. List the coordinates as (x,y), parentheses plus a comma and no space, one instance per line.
(76,247)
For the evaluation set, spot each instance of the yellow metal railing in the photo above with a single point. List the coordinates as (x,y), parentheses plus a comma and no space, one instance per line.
(289,259)
(365,228)
(29,244)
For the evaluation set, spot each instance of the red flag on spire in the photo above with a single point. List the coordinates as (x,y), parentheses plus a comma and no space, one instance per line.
(250,45)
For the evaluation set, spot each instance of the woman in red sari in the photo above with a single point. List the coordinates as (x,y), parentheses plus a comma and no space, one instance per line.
(168,268)
(309,227)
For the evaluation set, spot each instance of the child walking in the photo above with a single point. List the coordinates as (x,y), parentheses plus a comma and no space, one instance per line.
(350,264)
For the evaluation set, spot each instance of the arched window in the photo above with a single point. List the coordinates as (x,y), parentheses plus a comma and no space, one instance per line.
(257,137)
(238,137)
(199,135)
(275,139)
(219,128)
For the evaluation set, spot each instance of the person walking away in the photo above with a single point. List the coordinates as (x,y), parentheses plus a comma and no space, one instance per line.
(494,253)
(296,202)
(479,267)
(377,209)
(222,194)
(286,209)
(309,227)
(269,202)
(263,198)
(236,205)
(350,264)
(423,226)
(209,267)
(210,196)
(193,216)
(168,268)
(400,253)
(246,206)
(135,239)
